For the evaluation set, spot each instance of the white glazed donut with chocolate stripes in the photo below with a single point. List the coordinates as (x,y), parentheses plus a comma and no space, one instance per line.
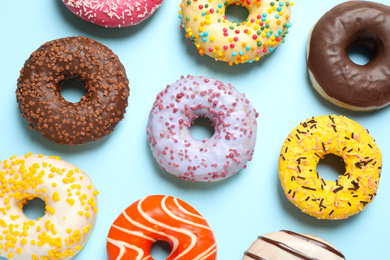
(288,245)
(213,159)
(160,218)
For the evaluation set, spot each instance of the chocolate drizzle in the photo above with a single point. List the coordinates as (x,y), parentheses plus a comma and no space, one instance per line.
(346,25)
(251,255)
(316,242)
(287,248)
(259,250)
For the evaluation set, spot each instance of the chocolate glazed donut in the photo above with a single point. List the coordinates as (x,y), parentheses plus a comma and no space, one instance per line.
(99,110)
(333,74)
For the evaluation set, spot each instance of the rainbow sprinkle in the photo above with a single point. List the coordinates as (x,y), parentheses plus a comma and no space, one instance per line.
(264,29)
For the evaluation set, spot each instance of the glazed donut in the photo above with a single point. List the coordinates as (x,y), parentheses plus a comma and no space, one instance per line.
(70,208)
(309,142)
(160,218)
(333,74)
(99,110)
(113,13)
(213,159)
(209,30)
(289,245)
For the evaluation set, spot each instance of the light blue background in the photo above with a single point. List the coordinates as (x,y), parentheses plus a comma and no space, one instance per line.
(156,53)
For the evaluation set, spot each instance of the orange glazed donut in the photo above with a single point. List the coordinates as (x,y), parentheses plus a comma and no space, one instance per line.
(163,218)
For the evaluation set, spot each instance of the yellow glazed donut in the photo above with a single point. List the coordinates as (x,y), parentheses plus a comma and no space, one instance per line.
(70,208)
(312,140)
(209,30)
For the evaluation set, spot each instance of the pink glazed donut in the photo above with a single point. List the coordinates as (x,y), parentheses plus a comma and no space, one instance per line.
(213,159)
(113,13)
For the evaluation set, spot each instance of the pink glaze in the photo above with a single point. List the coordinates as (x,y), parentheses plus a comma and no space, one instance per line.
(113,13)
(213,159)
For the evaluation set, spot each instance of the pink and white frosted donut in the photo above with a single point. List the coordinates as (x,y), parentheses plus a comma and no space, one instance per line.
(213,159)
(113,13)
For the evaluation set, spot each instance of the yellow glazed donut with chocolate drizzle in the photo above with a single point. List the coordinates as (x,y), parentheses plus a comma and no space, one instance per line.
(312,140)
(209,30)
(70,208)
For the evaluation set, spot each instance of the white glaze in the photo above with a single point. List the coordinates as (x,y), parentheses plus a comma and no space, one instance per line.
(68,181)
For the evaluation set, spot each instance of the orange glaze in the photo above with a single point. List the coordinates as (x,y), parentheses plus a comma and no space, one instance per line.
(163,218)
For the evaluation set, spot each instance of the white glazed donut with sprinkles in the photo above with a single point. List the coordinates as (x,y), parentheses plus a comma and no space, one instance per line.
(213,34)
(70,208)
(213,159)
(113,13)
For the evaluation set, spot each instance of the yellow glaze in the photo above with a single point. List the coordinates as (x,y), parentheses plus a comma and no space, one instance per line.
(312,140)
(209,30)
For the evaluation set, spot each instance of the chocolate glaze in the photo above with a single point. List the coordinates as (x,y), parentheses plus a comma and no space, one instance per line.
(348,24)
(98,111)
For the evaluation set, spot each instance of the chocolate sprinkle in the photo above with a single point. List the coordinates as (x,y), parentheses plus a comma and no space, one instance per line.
(309,188)
(323,146)
(338,189)
(98,111)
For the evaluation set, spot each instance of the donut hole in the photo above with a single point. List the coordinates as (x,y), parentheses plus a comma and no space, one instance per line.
(72,89)
(236,13)
(364,46)
(202,128)
(34,208)
(360,54)
(160,250)
(330,167)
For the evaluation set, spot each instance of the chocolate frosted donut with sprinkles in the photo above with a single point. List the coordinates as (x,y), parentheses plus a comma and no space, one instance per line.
(213,159)
(288,245)
(70,208)
(307,144)
(208,28)
(113,13)
(98,111)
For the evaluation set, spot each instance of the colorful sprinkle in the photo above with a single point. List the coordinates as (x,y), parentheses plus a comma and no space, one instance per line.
(271,23)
